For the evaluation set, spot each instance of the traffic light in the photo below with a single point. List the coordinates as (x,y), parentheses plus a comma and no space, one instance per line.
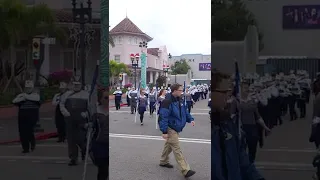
(36,50)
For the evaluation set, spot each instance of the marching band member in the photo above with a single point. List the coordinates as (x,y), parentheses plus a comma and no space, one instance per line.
(117,97)
(152,101)
(133,95)
(59,119)
(75,107)
(28,115)
(142,105)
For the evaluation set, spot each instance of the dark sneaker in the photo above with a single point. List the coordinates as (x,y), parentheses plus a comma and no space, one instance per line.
(72,163)
(190,173)
(166,165)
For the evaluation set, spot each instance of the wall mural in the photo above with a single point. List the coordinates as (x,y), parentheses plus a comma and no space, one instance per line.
(301,17)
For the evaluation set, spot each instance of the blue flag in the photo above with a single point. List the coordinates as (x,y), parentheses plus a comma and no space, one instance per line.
(184,93)
(237,92)
(237,82)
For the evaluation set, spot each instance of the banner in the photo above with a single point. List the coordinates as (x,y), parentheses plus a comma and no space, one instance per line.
(143,70)
(204,66)
(301,17)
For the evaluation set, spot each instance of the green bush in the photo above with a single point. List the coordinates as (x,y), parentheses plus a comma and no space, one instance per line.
(6,98)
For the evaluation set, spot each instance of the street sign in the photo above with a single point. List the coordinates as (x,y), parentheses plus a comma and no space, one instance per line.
(36,48)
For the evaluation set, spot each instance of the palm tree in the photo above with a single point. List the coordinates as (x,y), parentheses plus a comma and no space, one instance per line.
(117,68)
(20,24)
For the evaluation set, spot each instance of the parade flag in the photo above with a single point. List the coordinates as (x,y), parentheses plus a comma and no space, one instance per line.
(156,109)
(184,93)
(237,92)
(138,96)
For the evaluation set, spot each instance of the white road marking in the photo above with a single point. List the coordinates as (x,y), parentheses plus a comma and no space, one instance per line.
(290,150)
(47,119)
(130,136)
(128,112)
(34,158)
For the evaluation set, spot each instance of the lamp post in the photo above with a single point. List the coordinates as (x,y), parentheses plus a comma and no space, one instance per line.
(143,45)
(82,15)
(135,63)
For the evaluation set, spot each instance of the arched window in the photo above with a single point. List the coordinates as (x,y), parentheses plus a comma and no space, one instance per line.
(135,40)
(130,40)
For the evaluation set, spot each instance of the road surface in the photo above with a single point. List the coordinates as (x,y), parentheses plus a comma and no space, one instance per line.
(287,153)
(135,150)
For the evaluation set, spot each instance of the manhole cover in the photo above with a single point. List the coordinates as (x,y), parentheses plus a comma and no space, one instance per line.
(115,120)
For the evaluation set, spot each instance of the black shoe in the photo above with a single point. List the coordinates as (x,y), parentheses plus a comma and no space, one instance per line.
(25,151)
(60,141)
(166,165)
(33,148)
(73,163)
(141,124)
(190,173)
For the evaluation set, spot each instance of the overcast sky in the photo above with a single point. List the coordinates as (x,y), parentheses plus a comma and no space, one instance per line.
(184,26)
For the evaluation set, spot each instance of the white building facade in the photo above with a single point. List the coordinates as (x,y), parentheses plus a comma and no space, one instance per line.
(200,65)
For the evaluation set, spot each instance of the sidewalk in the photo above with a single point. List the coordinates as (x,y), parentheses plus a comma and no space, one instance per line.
(11,112)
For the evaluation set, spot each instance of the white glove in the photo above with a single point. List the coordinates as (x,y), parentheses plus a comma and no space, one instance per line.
(84,114)
(22,96)
(66,114)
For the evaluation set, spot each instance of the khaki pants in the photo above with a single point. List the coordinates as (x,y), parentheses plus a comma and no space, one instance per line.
(172,145)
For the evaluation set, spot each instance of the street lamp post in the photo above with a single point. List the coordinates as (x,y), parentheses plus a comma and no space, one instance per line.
(135,64)
(167,70)
(82,15)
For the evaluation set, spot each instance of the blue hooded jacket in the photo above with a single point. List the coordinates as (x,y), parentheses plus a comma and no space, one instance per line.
(174,114)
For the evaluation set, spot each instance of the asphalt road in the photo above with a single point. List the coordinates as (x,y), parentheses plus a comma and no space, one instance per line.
(48,161)
(287,153)
(135,150)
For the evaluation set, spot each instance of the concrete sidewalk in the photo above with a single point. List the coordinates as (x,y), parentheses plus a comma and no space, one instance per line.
(11,112)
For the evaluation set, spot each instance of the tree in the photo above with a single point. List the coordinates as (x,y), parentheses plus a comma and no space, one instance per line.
(180,67)
(115,70)
(161,80)
(20,24)
(230,21)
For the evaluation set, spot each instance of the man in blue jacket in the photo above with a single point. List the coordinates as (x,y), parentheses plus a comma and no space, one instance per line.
(230,160)
(173,116)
